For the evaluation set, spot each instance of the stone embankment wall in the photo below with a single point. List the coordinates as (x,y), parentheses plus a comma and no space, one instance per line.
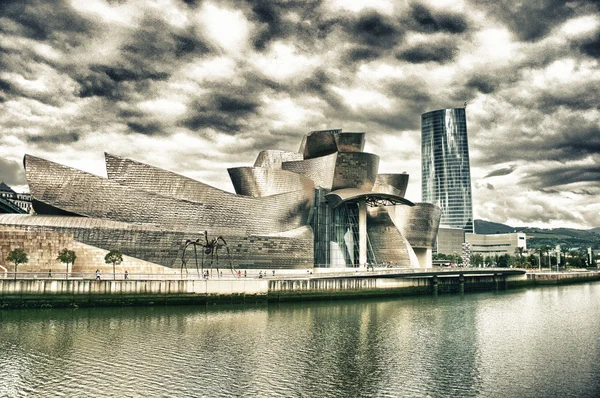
(90,293)
(81,292)
(559,278)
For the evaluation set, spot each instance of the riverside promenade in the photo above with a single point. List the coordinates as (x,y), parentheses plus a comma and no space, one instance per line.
(38,291)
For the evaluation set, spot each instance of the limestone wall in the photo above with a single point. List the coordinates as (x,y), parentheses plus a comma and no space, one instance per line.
(42,248)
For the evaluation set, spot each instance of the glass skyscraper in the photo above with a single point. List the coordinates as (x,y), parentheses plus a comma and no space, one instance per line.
(446,174)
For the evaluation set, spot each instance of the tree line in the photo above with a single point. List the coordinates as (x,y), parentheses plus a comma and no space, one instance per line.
(19,256)
(576,258)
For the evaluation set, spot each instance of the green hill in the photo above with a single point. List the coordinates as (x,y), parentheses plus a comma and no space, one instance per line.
(488,227)
(538,237)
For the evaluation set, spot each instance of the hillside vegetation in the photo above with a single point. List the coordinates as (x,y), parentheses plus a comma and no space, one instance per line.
(538,237)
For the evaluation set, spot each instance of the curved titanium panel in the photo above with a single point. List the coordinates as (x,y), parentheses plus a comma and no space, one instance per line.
(159,181)
(391,183)
(272,159)
(336,198)
(259,182)
(355,170)
(445,168)
(350,142)
(220,213)
(319,170)
(419,224)
(387,242)
(320,143)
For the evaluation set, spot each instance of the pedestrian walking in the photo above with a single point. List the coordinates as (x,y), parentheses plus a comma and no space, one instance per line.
(49,273)
(97,274)
(126,274)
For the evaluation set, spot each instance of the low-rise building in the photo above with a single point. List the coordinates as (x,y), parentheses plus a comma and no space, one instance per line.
(496,244)
(450,240)
(21,200)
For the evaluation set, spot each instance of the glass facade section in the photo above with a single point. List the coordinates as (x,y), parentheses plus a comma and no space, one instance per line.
(336,233)
(445,168)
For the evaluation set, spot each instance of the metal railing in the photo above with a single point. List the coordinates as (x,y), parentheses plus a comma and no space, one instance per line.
(120,276)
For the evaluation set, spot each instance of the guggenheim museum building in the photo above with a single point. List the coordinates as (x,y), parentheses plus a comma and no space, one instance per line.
(323,206)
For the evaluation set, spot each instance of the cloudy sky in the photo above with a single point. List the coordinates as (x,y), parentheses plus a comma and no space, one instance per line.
(199,86)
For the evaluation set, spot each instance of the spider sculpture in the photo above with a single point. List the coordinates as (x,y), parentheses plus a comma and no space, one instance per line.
(209,247)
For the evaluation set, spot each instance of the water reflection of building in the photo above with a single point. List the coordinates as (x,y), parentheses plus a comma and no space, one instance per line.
(446,172)
(325,205)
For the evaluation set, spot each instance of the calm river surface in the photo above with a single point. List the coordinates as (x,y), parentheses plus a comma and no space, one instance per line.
(540,342)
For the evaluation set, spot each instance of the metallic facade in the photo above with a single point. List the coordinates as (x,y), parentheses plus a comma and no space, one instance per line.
(391,183)
(446,173)
(325,205)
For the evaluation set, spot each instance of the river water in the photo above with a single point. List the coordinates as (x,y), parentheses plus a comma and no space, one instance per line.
(539,342)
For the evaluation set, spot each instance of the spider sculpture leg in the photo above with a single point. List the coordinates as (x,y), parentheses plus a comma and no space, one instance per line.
(230,260)
(196,257)
(183,260)
(217,257)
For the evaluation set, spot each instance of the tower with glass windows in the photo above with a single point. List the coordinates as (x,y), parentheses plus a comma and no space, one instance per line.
(446,173)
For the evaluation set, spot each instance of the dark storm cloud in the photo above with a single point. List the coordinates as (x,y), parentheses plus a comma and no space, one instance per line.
(533,20)
(591,46)
(318,84)
(580,96)
(156,42)
(550,191)
(224,112)
(42,20)
(362,53)
(149,54)
(5,86)
(441,52)
(146,128)
(11,172)
(267,15)
(564,175)
(48,140)
(483,84)
(583,192)
(501,172)
(272,25)
(374,29)
(119,74)
(426,20)
(575,139)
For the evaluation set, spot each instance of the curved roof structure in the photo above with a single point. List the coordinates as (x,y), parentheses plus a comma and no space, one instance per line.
(336,198)
(391,183)
(259,182)
(350,142)
(355,170)
(419,224)
(272,159)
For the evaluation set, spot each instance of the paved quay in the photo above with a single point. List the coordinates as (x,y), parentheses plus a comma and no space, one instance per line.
(311,284)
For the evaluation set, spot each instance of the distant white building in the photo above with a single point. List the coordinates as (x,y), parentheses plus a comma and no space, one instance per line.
(496,244)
